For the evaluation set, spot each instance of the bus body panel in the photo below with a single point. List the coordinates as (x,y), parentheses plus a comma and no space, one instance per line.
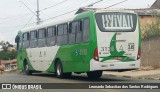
(79,57)
(117,50)
(41,58)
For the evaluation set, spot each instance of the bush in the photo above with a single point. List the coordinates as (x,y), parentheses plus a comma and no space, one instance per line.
(5,55)
(153,29)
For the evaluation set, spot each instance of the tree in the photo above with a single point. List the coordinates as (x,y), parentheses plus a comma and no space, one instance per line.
(5,45)
(8,55)
(5,54)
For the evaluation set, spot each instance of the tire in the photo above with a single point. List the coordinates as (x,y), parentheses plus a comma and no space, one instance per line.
(94,74)
(59,71)
(26,69)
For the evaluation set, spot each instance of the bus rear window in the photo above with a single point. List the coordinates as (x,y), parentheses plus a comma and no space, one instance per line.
(116,21)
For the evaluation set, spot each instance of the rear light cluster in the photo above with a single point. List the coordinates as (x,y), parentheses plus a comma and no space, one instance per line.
(96,54)
(139,53)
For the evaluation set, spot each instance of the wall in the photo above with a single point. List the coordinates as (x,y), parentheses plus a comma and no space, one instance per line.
(150,53)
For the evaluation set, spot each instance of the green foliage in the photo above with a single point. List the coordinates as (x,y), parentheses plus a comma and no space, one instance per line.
(6,55)
(153,29)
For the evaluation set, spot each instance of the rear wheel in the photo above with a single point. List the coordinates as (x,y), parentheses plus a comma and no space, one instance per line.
(94,74)
(26,69)
(59,71)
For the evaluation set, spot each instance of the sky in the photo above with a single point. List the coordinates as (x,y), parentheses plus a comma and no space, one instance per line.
(14,15)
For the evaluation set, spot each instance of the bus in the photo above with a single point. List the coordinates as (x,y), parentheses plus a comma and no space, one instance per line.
(89,42)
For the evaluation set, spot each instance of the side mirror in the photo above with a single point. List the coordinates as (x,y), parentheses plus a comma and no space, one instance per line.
(17,40)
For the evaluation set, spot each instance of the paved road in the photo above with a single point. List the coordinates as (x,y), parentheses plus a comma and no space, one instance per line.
(50,78)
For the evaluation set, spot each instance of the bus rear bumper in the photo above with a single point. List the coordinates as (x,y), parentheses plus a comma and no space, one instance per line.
(96,65)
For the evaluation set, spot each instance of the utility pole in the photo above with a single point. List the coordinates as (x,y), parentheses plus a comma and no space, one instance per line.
(38,19)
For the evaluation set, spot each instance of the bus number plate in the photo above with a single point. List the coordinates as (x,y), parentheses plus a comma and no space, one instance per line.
(83,52)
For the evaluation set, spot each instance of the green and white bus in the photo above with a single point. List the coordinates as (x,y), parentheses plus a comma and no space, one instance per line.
(88,42)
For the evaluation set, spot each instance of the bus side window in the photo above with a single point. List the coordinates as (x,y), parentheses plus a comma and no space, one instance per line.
(62,34)
(41,37)
(51,36)
(65,33)
(86,29)
(59,34)
(33,39)
(26,40)
(72,32)
(79,32)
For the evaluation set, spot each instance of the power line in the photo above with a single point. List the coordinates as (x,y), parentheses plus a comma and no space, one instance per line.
(61,14)
(45,14)
(9,20)
(53,5)
(28,7)
(74,10)
(10,17)
(12,39)
(13,26)
(106,1)
(116,4)
(37,11)
(93,3)
(69,7)
(41,12)
(78,4)
(28,22)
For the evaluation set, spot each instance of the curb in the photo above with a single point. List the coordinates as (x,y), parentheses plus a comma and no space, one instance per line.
(150,77)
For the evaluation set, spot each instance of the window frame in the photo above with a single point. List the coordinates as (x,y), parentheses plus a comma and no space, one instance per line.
(28,36)
(28,40)
(35,39)
(58,30)
(67,28)
(63,30)
(36,34)
(57,35)
(55,31)
(43,36)
(83,30)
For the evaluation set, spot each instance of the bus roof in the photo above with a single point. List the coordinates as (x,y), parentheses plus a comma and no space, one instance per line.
(50,22)
(84,9)
(65,19)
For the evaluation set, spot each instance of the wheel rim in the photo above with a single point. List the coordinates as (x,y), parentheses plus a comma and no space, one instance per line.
(26,68)
(58,69)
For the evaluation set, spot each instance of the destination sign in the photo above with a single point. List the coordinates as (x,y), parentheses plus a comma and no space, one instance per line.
(122,21)
(116,21)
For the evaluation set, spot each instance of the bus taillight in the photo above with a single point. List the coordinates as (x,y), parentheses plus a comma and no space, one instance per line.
(96,54)
(139,53)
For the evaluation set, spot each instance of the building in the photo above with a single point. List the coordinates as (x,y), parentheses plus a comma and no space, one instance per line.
(9,64)
(146,16)
(11,49)
(156,5)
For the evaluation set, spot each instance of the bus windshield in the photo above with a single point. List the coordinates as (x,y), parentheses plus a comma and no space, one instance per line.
(116,21)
